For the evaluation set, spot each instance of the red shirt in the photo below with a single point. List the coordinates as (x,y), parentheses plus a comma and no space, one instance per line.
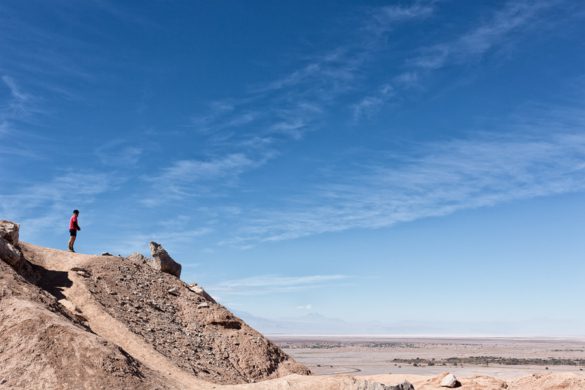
(73,223)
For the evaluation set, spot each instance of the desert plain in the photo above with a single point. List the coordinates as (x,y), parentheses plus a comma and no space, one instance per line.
(503,358)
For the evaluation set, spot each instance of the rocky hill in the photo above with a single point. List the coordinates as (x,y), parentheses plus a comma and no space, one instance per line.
(120,321)
(74,321)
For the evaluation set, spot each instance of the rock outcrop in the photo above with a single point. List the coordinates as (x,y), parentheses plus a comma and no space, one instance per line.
(370,385)
(450,381)
(162,261)
(9,231)
(10,251)
(138,257)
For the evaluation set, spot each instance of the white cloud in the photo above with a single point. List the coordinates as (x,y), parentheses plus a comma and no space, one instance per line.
(41,206)
(386,18)
(515,17)
(18,95)
(4,128)
(293,103)
(17,107)
(501,28)
(118,153)
(537,155)
(371,104)
(188,178)
(59,189)
(269,284)
(189,171)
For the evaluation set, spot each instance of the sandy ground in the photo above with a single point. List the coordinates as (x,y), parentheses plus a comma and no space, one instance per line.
(373,356)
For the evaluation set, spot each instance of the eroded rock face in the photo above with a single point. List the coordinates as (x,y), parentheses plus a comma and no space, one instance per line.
(10,252)
(9,231)
(162,261)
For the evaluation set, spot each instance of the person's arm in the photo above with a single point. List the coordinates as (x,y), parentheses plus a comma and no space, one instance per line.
(77,225)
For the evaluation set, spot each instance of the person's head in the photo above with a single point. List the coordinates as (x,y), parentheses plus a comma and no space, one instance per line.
(76,212)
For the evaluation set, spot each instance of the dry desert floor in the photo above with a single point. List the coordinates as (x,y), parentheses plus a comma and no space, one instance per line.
(503,358)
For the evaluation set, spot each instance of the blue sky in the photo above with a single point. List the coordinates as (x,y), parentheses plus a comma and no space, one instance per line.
(419,165)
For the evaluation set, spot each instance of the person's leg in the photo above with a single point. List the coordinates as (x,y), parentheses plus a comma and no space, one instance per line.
(71,243)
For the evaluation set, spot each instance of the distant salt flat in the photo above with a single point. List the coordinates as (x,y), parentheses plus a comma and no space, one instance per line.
(499,357)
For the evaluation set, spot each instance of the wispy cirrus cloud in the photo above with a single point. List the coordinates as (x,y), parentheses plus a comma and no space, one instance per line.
(16,107)
(56,190)
(288,106)
(41,205)
(270,284)
(372,103)
(536,155)
(513,19)
(185,178)
(19,98)
(119,153)
(18,110)
(503,27)
(385,18)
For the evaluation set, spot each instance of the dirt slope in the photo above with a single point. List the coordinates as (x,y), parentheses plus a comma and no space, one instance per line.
(42,346)
(127,300)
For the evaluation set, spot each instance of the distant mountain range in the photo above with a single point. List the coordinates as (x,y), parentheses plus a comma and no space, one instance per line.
(317,324)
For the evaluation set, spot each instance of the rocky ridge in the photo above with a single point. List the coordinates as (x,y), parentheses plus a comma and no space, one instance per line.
(60,311)
(70,321)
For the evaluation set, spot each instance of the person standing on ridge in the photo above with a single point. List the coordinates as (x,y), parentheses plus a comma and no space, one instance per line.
(73,228)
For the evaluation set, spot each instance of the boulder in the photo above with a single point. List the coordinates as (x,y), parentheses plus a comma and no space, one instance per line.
(10,253)
(361,384)
(450,381)
(200,291)
(138,257)
(162,261)
(9,232)
(402,386)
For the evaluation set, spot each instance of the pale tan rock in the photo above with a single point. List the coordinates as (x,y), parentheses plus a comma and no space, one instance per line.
(450,381)
(10,254)
(9,231)
(162,261)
